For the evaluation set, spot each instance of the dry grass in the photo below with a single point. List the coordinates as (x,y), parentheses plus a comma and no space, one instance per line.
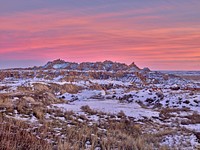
(192,119)
(166,113)
(6,103)
(109,134)
(66,130)
(38,112)
(13,136)
(69,88)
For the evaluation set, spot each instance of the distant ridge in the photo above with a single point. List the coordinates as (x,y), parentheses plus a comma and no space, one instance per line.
(106,65)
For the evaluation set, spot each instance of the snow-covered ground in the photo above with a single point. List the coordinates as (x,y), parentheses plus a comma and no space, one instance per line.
(140,96)
(112,107)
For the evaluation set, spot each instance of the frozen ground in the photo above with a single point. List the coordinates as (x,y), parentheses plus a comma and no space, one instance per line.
(157,101)
(111,106)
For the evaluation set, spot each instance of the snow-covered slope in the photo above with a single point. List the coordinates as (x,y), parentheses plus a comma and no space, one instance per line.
(150,98)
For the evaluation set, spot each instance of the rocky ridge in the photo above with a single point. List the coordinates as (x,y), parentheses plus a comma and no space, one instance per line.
(65,94)
(85,66)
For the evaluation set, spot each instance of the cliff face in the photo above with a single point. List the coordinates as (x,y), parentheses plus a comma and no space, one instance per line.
(86,66)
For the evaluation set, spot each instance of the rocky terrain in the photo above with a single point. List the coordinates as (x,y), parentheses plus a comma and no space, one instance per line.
(101,105)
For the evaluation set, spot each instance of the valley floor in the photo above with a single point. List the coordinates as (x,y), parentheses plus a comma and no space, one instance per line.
(49,111)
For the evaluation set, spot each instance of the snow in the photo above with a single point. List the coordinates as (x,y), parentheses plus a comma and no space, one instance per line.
(112,107)
(190,142)
(114,82)
(84,95)
(31,119)
(193,127)
(60,66)
(111,100)
(179,99)
(94,118)
(58,78)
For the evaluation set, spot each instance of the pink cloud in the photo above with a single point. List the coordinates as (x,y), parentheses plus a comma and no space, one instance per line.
(96,37)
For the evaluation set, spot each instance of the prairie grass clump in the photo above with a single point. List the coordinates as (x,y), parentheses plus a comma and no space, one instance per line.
(13,135)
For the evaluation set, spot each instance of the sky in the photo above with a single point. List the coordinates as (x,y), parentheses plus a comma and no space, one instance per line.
(159,34)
